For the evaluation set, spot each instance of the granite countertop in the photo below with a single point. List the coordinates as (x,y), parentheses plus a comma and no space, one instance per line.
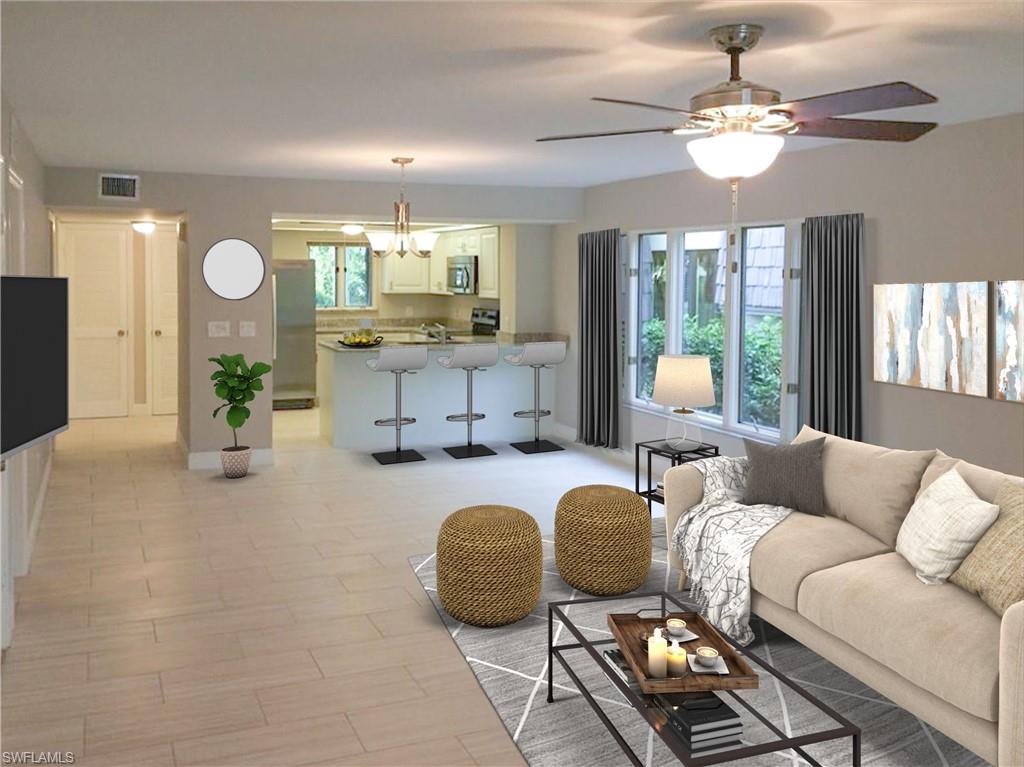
(406,339)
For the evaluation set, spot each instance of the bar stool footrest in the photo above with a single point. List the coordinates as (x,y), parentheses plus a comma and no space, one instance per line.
(530,447)
(461,417)
(531,413)
(389,457)
(391,422)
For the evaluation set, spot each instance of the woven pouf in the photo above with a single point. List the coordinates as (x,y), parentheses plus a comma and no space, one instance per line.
(603,539)
(489,563)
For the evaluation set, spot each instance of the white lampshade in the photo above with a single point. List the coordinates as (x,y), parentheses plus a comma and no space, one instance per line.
(352,229)
(144,227)
(684,380)
(380,241)
(735,154)
(424,241)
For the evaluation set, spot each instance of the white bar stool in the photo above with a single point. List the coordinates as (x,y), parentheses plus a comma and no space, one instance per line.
(398,360)
(469,357)
(537,355)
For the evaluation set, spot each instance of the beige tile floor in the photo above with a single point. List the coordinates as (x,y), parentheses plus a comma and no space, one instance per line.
(177,618)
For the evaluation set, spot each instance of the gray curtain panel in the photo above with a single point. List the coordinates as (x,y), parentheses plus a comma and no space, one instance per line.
(830,359)
(597,420)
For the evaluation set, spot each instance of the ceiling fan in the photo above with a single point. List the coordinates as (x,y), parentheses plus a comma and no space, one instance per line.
(747,121)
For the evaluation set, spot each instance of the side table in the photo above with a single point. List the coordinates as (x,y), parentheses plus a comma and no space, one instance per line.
(677,457)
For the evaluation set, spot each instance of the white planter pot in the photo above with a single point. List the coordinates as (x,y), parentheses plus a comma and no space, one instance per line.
(235,461)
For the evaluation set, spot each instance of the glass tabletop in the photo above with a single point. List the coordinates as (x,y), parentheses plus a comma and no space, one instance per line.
(779,715)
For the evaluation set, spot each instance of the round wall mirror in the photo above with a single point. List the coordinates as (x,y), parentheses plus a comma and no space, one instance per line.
(233,269)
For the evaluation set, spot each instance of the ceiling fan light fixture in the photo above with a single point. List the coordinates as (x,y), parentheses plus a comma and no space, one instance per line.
(735,154)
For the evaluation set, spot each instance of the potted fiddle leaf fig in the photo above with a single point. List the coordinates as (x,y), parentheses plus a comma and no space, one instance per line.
(236,383)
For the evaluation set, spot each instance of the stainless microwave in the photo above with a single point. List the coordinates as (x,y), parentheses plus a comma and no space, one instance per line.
(462,274)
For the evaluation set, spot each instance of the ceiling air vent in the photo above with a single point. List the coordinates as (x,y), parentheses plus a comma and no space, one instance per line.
(118,186)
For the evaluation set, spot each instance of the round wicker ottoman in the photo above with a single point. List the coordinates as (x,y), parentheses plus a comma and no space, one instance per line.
(489,562)
(603,539)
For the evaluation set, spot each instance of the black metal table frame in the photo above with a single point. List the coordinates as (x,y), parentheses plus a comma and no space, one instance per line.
(676,457)
(658,721)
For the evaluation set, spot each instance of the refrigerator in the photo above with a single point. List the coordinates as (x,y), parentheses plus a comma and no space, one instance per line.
(294,335)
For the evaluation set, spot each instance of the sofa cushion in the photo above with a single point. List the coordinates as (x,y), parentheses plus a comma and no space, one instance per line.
(985,482)
(939,637)
(993,569)
(869,486)
(802,544)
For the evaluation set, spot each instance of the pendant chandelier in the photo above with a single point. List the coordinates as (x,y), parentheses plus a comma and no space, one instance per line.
(402,240)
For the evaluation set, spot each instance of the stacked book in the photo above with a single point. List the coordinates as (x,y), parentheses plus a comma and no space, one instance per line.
(704,722)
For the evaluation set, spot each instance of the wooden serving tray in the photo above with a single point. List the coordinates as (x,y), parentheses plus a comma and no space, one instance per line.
(629,628)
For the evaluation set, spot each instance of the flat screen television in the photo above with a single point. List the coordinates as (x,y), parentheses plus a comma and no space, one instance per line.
(33,361)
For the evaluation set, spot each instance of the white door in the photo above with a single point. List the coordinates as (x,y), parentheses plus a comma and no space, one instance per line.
(95,257)
(487,264)
(162,249)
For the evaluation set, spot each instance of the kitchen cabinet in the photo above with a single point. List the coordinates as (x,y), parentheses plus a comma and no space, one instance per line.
(439,265)
(410,274)
(487,264)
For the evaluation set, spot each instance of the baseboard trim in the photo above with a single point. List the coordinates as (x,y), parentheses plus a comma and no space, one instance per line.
(210,459)
(563,431)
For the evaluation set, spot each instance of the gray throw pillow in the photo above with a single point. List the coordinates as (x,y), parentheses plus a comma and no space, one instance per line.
(786,475)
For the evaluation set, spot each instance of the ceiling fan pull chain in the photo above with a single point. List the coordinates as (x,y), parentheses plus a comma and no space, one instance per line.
(734,188)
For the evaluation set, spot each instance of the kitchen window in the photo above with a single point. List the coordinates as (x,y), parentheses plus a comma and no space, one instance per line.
(686,298)
(343,277)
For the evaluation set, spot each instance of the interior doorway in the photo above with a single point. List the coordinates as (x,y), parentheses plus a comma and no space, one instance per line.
(122,315)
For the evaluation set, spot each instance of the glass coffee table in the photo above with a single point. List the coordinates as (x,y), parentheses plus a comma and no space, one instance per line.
(777,716)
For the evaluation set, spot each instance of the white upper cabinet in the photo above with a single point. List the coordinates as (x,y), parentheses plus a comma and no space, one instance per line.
(488,266)
(430,275)
(410,274)
(439,265)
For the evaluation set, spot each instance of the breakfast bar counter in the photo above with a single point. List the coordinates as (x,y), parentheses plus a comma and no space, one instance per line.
(351,397)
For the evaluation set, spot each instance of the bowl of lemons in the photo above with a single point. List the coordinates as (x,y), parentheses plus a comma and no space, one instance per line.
(363,338)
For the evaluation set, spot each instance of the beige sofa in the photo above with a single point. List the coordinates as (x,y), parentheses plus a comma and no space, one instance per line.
(835,584)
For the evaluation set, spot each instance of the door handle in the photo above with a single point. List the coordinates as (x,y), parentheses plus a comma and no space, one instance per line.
(120,333)
(158,332)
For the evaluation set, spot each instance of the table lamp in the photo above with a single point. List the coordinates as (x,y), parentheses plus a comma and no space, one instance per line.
(683,382)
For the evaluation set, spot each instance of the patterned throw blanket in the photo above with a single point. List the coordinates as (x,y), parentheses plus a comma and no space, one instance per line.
(715,539)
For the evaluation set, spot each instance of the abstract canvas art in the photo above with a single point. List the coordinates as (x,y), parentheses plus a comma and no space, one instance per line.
(1009,337)
(933,335)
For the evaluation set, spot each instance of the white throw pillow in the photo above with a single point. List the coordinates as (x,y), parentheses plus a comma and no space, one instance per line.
(943,525)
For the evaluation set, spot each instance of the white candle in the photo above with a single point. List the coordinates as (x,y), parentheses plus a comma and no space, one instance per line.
(676,659)
(657,661)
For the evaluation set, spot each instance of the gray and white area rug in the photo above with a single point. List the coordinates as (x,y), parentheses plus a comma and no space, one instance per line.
(511,665)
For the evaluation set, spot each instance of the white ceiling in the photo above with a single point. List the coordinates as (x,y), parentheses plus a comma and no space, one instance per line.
(334,90)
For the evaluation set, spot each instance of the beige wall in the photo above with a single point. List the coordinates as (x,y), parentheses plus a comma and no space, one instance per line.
(27,471)
(945,208)
(223,206)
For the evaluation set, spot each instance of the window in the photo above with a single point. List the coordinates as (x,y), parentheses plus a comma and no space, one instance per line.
(763,264)
(355,266)
(651,311)
(703,303)
(686,299)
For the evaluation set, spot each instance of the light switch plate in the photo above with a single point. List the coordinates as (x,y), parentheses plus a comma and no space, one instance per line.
(247,329)
(218,329)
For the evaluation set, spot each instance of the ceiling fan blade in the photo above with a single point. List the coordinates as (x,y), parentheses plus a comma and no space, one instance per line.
(871,130)
(607,133)
(870,99)
(648,106)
